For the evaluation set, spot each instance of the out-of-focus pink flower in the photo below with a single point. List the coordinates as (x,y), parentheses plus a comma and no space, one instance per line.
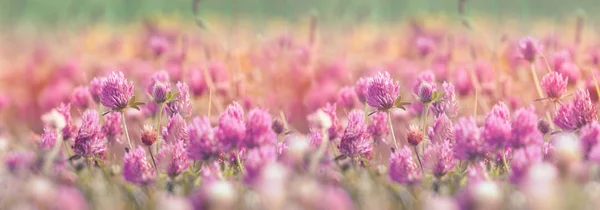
(336,129)
(355,140)
(522,159)
(47,139)
(69,130)
(173,158)
(497,130)
(258,129)
(183,104)
(347,97)
(176,129)
(525,129)
(579,112)
(90,139)
(463,82)
(403,169)
(382,91)
(137,169)
(232,129)
(529,49)
(439,158)
(158,44)
(361,88)
(19,161)
(81,97)
(468,142)
(197,82)
(554,84)
(590,136)
(442,129)
(571,72)
(561,57)
(116,91)
(425,45)
(203,145)
(95,88)
(378,128)
(257,158)
(112,128)
(448,105)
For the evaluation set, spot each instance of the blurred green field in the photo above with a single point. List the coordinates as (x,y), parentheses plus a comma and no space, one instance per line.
(75,12)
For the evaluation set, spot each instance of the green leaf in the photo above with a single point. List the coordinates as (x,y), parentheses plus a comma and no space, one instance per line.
(105,113)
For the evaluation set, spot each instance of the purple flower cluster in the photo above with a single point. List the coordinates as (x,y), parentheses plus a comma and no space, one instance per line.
(116,91)
(90,139)
(137,169)
(403,169)
(576,114)
(356,139)
(382,91)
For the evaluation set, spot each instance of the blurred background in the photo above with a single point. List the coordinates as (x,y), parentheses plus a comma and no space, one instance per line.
(78,12)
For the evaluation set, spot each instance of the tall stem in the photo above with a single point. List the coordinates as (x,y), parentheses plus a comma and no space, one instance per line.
(153,161)
(536,80)
(424,125)
(125,129)
(418,158)
(158,118)
(538,87)
(239,161)
(391,128)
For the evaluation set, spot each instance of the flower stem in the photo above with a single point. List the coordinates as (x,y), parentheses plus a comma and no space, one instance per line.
(424,125)
(158,119)
(389,116)
(125,129)
(418,158)
(239,161)
(536,80)
(153,161)
(504,162)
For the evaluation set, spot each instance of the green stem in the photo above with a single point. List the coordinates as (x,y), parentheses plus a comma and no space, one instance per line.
(153,161)
(536,80)
(419,159)
(239,162)
(158,124)
(424,127)
(125,129)
(391,128)
(504,162)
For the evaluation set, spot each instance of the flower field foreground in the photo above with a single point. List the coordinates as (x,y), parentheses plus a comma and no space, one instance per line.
(424,115)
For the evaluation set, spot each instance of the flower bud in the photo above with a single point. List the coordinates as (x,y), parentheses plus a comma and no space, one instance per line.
(159,92)
(425,92)
(149,136)
(414,135)
(277,126)
(543,126)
